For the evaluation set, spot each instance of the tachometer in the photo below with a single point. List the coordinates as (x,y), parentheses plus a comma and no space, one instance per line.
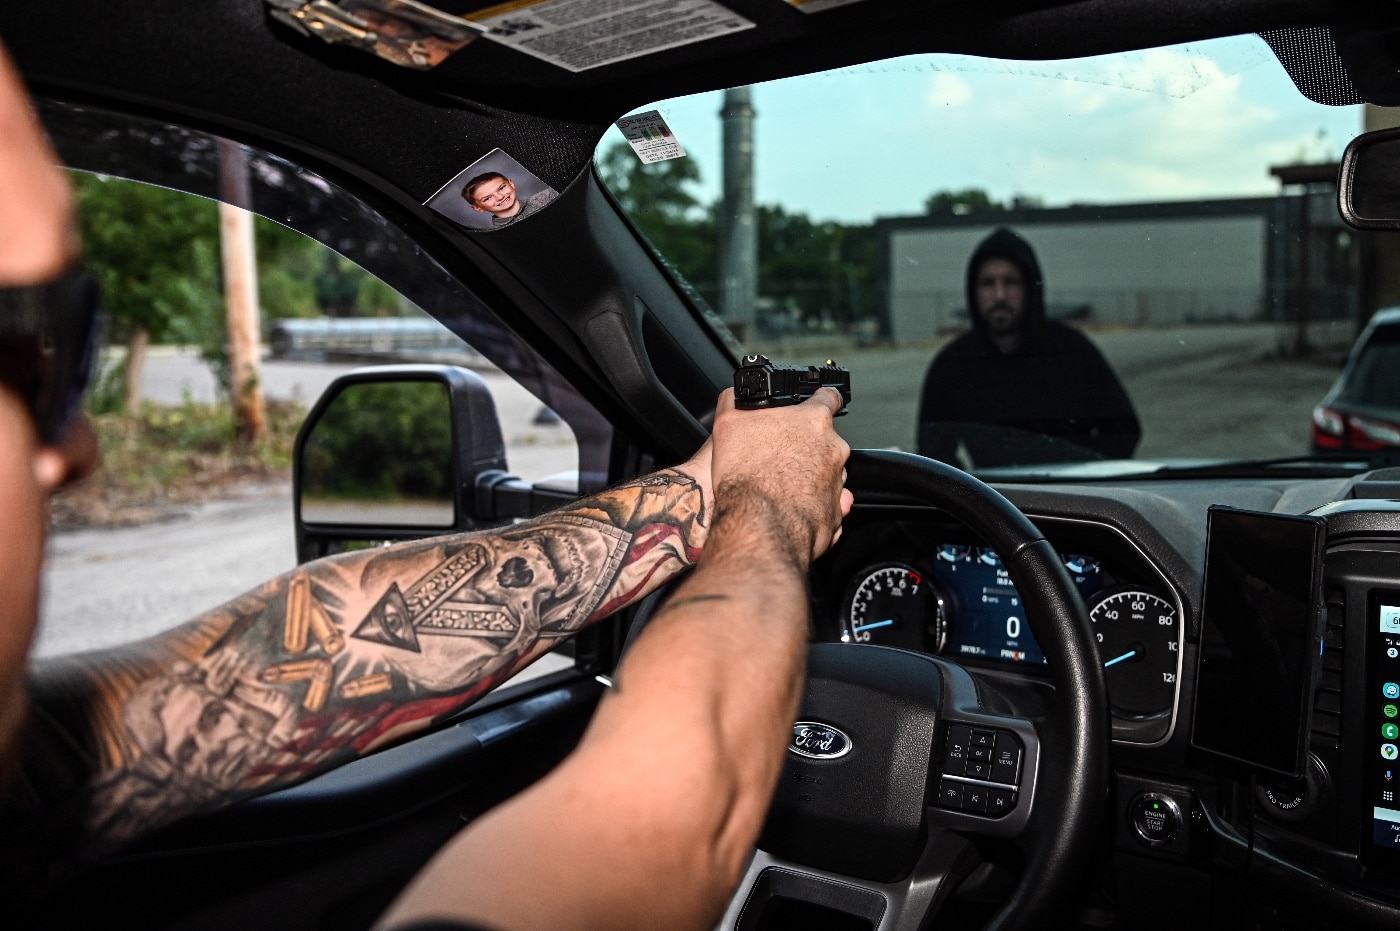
(1138,635)
(894,605)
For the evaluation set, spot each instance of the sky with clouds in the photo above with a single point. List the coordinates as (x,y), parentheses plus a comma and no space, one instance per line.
(1188,122)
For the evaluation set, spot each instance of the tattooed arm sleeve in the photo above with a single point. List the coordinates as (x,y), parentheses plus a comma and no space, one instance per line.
(350,653)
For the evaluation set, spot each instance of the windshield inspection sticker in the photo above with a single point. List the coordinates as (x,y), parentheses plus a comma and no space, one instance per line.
(580,34)
(650,137)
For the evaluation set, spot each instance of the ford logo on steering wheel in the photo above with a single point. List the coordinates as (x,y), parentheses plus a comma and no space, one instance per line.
(819,741)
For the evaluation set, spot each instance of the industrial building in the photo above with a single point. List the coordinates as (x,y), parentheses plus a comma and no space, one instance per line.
(1285,259)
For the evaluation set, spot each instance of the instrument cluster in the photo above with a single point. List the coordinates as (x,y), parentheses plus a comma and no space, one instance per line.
(942,595)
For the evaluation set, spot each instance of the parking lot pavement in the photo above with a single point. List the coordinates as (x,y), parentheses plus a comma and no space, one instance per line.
(1199,391)
(106,587)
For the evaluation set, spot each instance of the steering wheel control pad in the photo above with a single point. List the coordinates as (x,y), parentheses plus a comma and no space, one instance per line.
(981,770)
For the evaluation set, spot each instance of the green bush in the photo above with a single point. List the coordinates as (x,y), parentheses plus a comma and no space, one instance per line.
(385,441)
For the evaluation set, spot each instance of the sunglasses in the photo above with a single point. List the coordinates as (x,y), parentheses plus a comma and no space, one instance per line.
(48,347)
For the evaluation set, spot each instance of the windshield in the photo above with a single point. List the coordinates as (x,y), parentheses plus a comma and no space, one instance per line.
(1130,258)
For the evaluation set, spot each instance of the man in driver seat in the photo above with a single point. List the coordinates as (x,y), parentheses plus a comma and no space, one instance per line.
(648,822)
(1019,388)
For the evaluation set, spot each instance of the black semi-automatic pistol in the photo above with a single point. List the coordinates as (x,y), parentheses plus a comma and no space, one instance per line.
(758,383)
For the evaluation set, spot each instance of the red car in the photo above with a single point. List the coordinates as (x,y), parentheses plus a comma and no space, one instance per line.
(1362,411)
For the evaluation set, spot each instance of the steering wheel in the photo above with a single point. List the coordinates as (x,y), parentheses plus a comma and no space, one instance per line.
(901,762)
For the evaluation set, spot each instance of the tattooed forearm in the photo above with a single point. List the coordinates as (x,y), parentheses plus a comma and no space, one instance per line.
(350,653)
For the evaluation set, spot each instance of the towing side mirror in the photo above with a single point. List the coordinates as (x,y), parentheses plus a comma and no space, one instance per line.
(400,452)
(1368,187)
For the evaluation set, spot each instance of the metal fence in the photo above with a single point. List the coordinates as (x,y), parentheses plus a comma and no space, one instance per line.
(405,339)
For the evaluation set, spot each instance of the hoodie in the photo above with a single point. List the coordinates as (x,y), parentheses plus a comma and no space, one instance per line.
(1056,399)
(1004,244)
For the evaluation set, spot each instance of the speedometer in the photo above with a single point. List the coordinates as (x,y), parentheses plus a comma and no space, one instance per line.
(894,605)
(1138,636)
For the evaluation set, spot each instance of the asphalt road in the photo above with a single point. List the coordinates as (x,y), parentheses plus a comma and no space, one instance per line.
(1207,391)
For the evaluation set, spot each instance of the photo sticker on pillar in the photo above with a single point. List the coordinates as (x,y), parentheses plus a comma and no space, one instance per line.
(491,193)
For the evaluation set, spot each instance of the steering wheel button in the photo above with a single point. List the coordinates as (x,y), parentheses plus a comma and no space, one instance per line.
(1000,802)
(950,795)
(1006,759)
(979,770)
(959,739)
(975,799)
(980,755)
(981,738)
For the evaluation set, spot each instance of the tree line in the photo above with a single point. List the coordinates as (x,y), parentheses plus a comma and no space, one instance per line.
(813,275)
(156,253)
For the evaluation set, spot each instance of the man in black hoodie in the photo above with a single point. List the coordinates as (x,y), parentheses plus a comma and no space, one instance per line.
(1018,388)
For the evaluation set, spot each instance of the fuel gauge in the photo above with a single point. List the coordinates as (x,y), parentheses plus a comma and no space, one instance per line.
(955,552)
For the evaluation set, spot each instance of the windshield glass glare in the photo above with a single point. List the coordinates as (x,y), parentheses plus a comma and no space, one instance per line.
(1130,257)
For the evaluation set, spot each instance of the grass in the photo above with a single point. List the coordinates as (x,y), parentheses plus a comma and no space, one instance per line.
(162,458)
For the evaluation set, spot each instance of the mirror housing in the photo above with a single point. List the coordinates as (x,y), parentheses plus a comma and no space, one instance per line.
(1368,187)
(373,463)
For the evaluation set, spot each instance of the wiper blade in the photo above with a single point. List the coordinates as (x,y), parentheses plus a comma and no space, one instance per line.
(1312,466)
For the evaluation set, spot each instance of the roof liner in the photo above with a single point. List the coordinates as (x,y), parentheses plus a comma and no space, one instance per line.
(233,69)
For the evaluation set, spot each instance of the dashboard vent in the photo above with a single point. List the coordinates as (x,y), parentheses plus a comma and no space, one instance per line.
(1327,700)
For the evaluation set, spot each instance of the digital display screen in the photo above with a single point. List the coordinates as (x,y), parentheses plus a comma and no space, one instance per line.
(990,616)
(1260,637)
(1383,719)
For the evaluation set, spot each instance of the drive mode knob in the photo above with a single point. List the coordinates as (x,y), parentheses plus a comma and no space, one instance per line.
(1156,818)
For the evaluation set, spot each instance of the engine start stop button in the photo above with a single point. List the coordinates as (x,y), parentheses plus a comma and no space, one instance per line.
(1156,818)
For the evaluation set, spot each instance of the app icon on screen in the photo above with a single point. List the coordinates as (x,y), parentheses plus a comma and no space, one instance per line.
(1390,619)
(1389,752)
(1389,731)
(1391,690)
(1390,711)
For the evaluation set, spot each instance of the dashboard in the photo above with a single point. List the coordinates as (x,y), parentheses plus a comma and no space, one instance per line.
(1323,846)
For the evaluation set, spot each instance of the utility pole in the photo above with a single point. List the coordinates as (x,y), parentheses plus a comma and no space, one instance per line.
(240,269)
(738,223)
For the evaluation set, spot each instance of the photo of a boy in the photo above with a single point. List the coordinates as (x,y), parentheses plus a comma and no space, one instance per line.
(491,193)
(494,193)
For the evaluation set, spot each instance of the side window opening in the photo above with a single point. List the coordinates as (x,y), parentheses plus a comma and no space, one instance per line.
(182,518)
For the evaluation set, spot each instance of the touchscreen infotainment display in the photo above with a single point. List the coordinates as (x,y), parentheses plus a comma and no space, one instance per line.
(1383,718)
(1261,635)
